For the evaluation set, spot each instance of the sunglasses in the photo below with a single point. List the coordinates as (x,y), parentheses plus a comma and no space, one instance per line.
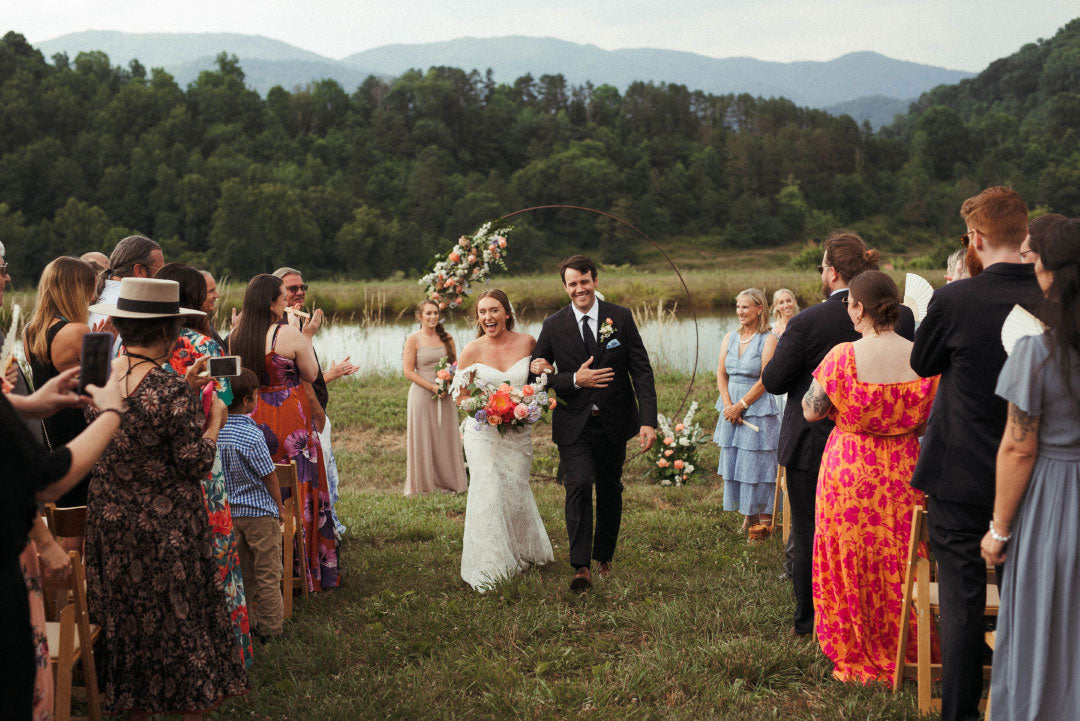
(847,300)
(1025,253)
(294,288)
(821,268)
(965,239)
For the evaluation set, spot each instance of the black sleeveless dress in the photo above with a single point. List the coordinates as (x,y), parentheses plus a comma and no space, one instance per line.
(63,426)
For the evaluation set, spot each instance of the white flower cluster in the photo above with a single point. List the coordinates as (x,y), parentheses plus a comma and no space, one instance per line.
(469,261)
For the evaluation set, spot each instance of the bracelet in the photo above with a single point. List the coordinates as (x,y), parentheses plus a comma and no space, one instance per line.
(112,410)
(744,405)
(996,536)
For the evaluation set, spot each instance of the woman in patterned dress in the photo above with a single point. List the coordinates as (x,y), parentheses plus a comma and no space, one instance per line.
(193,343)
(284,359)
(153,583)
(864,498)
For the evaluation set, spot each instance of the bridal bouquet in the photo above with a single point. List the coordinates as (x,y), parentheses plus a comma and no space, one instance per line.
(676,454)
(505,406)
(444,376)
(469,261)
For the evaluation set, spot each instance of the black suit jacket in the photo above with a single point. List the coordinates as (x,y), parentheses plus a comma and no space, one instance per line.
(809,336)
(960,338)
(628,402)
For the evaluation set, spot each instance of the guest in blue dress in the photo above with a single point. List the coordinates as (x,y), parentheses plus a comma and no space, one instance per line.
(747,455)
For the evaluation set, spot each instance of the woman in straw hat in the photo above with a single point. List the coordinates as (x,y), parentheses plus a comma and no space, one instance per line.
(152,579)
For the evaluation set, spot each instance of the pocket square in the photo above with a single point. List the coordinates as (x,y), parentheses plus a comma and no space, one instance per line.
(614,343)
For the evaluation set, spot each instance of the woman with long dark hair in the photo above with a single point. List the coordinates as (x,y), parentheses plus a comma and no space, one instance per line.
(1035,530)
(193,343)
(284,360)
(433,461)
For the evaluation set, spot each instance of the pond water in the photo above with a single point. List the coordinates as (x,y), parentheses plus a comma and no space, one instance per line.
(670,342)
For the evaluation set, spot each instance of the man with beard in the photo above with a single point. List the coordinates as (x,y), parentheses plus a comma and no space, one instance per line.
(809,336)
(960,339)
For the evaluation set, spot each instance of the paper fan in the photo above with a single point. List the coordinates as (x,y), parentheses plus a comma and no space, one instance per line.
(917,294)
(1018,324)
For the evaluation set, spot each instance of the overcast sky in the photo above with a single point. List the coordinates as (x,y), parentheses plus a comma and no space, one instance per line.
(957,34)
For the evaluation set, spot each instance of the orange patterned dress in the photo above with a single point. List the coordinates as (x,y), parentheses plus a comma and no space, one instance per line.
(863,516)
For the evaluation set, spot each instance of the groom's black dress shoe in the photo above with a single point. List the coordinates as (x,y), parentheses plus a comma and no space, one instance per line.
(582,580)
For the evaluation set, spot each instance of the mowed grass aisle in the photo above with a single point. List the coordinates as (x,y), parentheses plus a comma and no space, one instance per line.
(693,624)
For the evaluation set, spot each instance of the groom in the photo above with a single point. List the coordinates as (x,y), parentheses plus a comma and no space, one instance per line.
(606,397)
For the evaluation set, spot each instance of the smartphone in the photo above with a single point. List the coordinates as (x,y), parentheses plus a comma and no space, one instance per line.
(226,367)
(96,360)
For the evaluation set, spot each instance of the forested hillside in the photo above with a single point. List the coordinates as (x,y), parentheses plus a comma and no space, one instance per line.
(373,181)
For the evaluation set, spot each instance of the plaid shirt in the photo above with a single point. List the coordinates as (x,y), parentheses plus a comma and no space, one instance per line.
(245,460)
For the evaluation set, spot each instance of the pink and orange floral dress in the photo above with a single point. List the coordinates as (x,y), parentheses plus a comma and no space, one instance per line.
(863,516)
(283,415)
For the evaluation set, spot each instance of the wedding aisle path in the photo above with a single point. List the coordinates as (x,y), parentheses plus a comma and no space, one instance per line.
(693,624)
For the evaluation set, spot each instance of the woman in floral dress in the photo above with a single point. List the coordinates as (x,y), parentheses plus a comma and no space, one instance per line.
(864,497)
(284,360)
(193,343)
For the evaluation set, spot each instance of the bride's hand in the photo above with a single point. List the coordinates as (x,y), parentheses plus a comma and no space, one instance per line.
(539,365)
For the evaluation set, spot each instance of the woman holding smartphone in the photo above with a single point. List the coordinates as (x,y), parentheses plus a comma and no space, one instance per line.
(193,343)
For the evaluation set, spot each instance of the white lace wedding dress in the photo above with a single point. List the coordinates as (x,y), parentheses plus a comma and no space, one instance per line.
(504,534)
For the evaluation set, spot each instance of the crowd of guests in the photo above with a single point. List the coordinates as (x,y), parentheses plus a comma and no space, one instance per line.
(176,470)
(892,418)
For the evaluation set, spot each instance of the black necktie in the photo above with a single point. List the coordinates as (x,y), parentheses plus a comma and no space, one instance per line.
(589,337)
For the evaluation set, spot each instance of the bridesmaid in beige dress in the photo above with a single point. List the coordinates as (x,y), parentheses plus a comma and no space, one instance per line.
(434,460)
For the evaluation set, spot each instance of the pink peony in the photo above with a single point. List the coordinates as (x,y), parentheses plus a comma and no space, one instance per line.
(552,403)
(454,257)
(668,441)
(502,242)
(442,306)
(668,452)
(679,464)
(443,375)
(679,427)
(527,390)
(663,463)
(521,411)
(494,419)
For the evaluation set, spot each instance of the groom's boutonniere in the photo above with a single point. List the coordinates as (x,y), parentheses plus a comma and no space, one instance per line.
(606,330)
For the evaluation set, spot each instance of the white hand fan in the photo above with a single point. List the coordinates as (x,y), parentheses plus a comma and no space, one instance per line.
(917,294)
(1018,324)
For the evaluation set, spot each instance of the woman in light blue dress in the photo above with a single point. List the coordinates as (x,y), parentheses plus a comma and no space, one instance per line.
(1036,523)
(747,454)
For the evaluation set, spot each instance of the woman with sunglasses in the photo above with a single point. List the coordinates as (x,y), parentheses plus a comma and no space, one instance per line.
(864,500)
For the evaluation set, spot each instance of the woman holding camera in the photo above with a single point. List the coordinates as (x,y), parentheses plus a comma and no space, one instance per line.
(153,583)
(193,343)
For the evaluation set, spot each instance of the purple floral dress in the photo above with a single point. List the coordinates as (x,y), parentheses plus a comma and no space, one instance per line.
(283,415)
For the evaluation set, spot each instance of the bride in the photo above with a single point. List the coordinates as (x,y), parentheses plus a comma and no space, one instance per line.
(503,531)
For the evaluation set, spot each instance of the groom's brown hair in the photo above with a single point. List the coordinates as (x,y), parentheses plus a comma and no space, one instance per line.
(579,263)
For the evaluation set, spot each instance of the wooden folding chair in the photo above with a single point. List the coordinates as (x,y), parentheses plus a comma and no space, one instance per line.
(922,594)
(781,488)
(293,535)
(71,638)
(67,525)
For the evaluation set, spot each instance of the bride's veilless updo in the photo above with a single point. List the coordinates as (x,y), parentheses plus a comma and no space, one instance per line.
(879,296)
(504,301)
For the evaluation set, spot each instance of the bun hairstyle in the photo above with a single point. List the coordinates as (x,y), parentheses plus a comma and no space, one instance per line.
(1059,251)
(447,341)
(847,253)
(879,296)
(504,301)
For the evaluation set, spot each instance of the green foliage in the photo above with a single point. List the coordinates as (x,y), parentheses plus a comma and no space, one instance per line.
(372,181)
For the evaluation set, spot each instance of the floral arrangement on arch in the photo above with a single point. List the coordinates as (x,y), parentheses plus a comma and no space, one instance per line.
(504,406)
(676,453)
(469,261)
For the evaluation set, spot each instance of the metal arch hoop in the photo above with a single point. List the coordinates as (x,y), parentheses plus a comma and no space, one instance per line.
(689,297)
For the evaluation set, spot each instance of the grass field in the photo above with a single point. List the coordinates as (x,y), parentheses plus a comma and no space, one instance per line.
(693,624)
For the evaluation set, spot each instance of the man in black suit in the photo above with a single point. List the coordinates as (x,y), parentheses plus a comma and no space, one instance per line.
(960,339)
(606,396)
(809,336)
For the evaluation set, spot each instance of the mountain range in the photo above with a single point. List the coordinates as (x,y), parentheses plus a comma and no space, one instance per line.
(865,85)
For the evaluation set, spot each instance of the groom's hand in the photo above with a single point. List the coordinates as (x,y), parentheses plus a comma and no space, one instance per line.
(647,436)
(587,377)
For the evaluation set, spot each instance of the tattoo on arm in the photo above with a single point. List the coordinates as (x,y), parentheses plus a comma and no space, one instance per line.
(816,399)
(1022,424)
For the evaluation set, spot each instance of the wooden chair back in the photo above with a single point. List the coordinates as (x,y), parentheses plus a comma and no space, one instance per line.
(293,535)
(783,517)
(71,639)
(67,525)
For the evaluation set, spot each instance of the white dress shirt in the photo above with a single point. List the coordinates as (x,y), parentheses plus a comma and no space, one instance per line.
(594,327)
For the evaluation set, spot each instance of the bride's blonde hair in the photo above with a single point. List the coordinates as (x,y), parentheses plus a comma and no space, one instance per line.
(504,301)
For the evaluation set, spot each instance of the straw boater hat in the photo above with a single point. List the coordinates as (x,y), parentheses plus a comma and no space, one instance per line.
(145,298)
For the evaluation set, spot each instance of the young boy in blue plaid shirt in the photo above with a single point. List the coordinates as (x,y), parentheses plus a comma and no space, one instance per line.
(255,499)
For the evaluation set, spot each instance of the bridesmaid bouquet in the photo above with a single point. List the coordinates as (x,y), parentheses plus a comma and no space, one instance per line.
(469,261)
(676,454)
(444,376)
(505,406)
